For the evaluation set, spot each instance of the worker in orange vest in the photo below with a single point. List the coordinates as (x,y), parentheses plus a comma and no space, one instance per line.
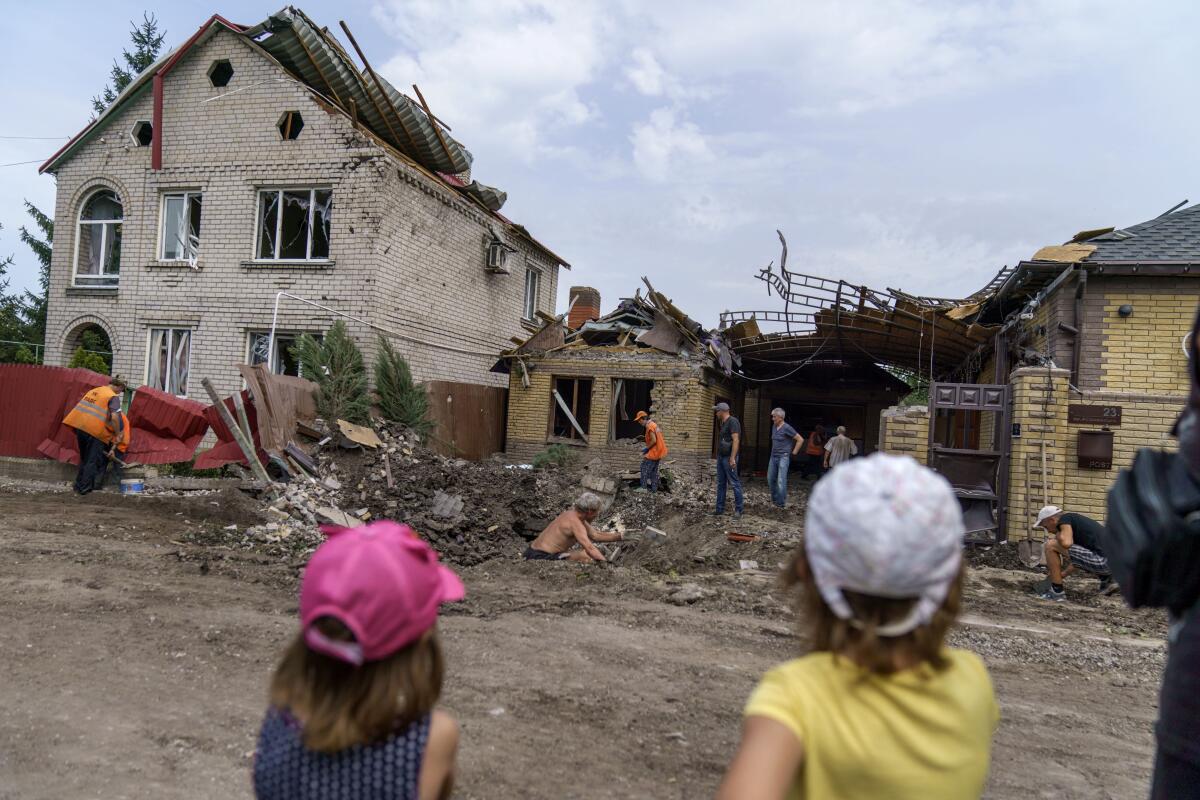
(101,429)
(814,452)
(654,451)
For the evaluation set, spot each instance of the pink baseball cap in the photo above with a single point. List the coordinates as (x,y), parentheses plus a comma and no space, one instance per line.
(380,581)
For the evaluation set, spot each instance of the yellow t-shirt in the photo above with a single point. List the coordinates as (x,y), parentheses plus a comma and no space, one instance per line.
(918,734)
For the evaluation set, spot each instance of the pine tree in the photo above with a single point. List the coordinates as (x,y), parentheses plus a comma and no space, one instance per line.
(33,305)
(147,41)
(400,398)
(10,317)
(336,364)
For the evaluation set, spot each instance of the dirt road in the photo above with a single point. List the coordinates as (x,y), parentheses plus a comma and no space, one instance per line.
(135,660)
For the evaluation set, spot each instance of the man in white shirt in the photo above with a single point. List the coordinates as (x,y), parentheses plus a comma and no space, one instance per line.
(839,449)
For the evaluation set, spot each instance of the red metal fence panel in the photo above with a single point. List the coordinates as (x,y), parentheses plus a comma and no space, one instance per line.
(166,428)
(33,401)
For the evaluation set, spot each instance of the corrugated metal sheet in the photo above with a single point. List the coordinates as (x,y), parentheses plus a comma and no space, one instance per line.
(317,59)
(33,402)
(226,450)
(166,429)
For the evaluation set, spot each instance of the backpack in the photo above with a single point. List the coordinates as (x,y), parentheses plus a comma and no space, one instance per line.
(1153,535)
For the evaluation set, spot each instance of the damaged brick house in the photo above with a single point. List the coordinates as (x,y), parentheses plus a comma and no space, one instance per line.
(255,178)
(581,386)
(1042,385)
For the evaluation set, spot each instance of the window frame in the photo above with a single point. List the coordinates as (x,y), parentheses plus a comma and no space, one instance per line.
(261,192)
(172,330)
(528,308)
(102,280)
(292,335)
(573,403)
(613,421)
(187,194)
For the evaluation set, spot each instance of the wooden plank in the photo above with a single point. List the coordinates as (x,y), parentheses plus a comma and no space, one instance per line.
(468,419)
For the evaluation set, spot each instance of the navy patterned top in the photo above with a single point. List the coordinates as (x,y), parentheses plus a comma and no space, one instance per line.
(285,770)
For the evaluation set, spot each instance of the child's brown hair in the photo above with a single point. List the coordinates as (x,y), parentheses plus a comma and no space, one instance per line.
(860,641)
(341,705)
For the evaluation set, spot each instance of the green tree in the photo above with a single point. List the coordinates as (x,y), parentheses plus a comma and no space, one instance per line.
(88,360)
(336,364)
(400,398)
(33,304)
(11,328)
(147,41)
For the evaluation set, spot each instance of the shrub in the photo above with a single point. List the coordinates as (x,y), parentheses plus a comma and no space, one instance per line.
(93,361)
(556,455)
(400,398)
(336,365)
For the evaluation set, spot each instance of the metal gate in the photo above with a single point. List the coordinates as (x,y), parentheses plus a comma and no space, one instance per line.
(979,475)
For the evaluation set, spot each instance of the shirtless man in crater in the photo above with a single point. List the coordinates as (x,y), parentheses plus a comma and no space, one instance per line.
(573,526)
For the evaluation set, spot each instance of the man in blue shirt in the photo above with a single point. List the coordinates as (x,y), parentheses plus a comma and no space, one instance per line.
(785,443)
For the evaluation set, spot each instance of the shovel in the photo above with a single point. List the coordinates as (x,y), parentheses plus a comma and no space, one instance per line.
(1029,554)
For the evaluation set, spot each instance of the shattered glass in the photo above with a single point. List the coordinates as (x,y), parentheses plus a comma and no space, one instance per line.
(322,211)
(293,232)
(268,221)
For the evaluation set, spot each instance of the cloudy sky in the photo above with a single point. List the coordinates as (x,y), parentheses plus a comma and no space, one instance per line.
(917,145)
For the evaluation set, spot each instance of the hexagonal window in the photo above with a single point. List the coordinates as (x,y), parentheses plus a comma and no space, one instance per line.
(142,133)
(220,73)
(290,124)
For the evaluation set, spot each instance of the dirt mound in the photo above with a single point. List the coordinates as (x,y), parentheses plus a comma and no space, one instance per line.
(469,511)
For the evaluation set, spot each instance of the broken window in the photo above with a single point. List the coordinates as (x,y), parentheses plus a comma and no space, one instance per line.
(571,408)
(170,360)
(181,226)
(290,124)
(220,73)
(293,224)
(283,360)
(98,240)
(532,279)
(143,133)
(629,397)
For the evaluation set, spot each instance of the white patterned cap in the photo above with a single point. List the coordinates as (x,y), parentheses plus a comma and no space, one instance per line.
(888,527)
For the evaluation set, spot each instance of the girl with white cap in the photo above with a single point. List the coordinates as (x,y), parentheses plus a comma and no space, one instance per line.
(880,708)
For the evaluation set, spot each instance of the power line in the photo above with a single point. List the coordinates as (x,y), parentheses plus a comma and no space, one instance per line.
(19,163)
(39,138)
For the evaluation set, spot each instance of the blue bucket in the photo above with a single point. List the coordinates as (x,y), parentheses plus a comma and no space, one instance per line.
(132,486)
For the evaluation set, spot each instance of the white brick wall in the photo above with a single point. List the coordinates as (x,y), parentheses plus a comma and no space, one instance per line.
(407,252)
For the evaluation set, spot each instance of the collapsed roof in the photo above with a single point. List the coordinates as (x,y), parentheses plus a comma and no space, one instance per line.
(836,321)
(652,322)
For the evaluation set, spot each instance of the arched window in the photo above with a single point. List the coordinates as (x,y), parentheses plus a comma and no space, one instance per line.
(98,243)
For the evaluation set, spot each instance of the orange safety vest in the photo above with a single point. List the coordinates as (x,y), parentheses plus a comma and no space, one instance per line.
(816,444)
(123,444)
(659,450)
(90,414)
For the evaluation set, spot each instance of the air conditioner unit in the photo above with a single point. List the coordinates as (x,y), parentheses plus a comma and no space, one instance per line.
(497,257)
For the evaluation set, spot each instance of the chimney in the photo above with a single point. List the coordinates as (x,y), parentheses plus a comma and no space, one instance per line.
(585,306)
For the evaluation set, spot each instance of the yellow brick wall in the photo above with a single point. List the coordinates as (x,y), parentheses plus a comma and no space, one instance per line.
(1040,397)
(682,397)
(1145,422)
(904,430)
(1143,353)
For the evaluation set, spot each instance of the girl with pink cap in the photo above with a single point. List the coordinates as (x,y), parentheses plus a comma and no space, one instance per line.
(880,707)
(352,702)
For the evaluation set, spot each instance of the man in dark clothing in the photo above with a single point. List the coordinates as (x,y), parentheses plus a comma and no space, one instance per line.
(729,442)
(1076,540)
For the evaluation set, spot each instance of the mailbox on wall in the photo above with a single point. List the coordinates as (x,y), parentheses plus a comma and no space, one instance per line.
(1095,449)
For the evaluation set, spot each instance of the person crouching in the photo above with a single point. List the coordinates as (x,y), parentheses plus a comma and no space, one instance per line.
(352,704)
(880,708)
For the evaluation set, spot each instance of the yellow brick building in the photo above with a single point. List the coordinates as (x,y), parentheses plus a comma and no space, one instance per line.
(1093,351)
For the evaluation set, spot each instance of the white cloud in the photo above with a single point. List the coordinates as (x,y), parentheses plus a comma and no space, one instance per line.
(646,73)
(662,145)
(511,70)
